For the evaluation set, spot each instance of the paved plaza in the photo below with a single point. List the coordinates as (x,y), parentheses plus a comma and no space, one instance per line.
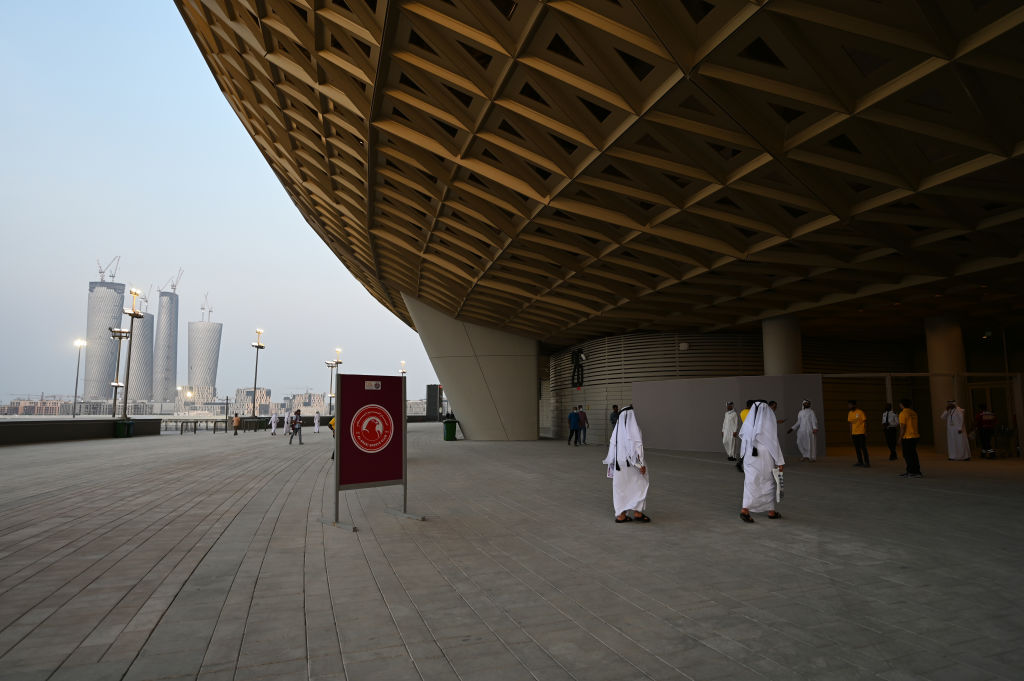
(205,557)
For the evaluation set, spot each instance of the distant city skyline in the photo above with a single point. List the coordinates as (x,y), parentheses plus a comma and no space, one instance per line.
(138,155)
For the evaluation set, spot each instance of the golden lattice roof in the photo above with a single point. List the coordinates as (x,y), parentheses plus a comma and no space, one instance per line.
(574,168)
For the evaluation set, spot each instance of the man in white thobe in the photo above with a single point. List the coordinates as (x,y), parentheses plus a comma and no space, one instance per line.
(287,422)
(957,446)
(626,461)
(730,426)
(806,428)
(273,424)
(760,454)
(316,422)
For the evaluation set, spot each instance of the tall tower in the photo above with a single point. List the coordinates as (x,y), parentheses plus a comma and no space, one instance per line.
(165,352)
(203,353)
(106,305)
(140,386)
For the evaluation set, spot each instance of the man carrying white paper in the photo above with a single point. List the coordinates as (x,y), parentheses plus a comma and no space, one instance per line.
(760,454)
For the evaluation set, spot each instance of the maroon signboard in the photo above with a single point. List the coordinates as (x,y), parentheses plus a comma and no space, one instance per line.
(370,430)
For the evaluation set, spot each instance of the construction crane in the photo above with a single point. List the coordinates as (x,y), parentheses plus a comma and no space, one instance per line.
(145,299)
(172,283)
(111,268)
(205,307)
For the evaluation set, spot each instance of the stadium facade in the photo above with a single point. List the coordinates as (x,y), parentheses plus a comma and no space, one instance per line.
(516,180)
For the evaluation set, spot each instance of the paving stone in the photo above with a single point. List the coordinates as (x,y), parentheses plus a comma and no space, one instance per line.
(207,558)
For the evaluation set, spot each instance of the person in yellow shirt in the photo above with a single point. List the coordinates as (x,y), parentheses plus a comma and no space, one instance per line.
(858,432)
(743,417)
(743,414)
(909,435)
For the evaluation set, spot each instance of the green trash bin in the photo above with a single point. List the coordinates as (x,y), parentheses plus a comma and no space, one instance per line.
(131,429)
(449,429)
(121,428)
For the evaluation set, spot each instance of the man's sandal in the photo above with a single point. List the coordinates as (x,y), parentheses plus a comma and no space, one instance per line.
(641,518)
(624,519)
(776,516)
(746,517)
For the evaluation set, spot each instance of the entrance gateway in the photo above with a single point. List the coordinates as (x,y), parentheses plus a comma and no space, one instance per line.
(370,435)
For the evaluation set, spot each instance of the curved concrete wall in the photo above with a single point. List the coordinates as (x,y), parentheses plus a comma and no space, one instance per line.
(615,363)
(490,376)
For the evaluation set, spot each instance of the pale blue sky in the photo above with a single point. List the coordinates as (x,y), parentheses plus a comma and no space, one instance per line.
(117,141)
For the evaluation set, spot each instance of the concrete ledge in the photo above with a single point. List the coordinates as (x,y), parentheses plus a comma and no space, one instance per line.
(25,431)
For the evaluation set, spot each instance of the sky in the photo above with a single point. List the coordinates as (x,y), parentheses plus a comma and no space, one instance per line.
(117,142)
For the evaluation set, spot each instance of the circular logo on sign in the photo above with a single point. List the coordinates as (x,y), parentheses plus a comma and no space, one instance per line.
(372,428)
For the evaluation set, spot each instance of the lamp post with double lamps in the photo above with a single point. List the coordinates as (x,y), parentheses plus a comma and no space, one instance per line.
(79,343)
(402,370)
(118,335)
(337,365)
(330,383)
(259,346)
(134,314)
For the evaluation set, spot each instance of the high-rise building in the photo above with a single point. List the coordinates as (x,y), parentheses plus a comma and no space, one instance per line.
(140,384)
(203,353)
(106,307)
(165,351)
(243,401)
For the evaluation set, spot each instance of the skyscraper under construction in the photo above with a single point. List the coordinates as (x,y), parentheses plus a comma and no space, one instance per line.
(106,305)
(203,353)
(165,351)
(140,387)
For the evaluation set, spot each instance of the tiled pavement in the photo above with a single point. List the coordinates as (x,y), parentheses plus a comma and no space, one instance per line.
(204,557)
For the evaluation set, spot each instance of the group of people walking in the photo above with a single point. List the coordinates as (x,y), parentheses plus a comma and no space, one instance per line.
(293,424)
(759,455)
(578,424)
(901,429)
(750,437)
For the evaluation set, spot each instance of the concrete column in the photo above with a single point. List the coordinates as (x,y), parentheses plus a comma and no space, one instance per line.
(780,343)
(945,344)
(490,376)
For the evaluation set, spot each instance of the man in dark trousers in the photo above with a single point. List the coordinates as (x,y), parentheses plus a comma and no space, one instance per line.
(235,422)
(584,424)
(985,426)
(296,426)
(891,426)
(574,427)
(909,435)
(858,433)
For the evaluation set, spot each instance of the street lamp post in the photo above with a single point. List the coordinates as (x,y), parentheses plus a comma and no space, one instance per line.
(259,346)
(134,314)
(79,343)
(333,364)
(330,383)
(402,370)
(118,335)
